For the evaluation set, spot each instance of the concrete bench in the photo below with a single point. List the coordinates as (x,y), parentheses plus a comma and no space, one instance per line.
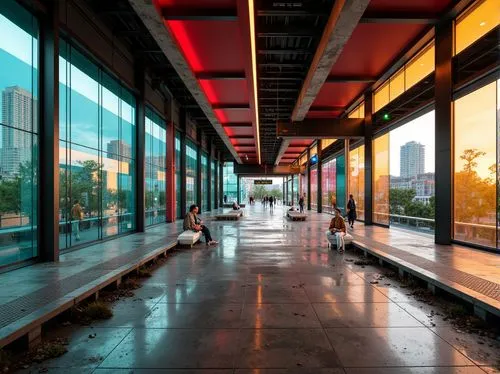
(189,238)
(333,241)
(231,215)
(296,216)
(231,205)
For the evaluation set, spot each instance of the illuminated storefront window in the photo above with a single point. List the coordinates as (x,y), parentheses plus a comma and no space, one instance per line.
(357,179)
(314,187)
(381,179)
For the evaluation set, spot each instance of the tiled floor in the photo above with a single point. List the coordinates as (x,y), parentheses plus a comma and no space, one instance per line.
(269,299)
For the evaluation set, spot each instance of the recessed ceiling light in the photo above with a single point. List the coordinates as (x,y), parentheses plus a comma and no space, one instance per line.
(482,23)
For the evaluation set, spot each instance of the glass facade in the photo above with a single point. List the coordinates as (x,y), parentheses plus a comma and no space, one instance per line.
(381,180)
(155,184)
(476,22)
(357,179)
(96,152)
(329,181)
(204,182)
(476,167)
(413,72)
(191,173)
(213,182)
(230,190)
(358,112)
(314,187)
(178,210)
(18,134)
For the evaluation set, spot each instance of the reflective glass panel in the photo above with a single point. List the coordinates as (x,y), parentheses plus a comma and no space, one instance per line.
(381,179)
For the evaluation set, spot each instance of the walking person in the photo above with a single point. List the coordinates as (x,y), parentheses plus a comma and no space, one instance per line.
(351,211)
(271,202)
(76,218)
(194,223)
(225,199)
(301,204)
(337,231)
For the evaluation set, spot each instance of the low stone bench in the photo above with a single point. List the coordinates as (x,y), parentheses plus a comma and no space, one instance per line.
(189,238)
(333,241)
(296,216)
(231,205)
(232,215)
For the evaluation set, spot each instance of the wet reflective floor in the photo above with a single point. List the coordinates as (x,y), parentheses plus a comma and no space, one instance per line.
(270,299)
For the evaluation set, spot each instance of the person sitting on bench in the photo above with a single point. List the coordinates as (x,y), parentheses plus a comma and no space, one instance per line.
(337,228)
(236,206)
(194,223)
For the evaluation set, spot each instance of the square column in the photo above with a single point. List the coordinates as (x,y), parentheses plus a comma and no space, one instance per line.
(308,171)
(170,174)
(48,212)
(368,159)
(443,89)
(182,115)
(140,84)
(320,177)
(198,173)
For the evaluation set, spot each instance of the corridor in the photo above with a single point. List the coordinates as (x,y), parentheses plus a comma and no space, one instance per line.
(269,296)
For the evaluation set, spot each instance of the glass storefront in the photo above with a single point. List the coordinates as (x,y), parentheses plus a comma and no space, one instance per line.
(476,167)
(314,187)
(191,173)
(204,182)
(329,181)
(230,184)
(155,184)
(178,210)
(18,133)
(357,179)
(213,182)
(96,152)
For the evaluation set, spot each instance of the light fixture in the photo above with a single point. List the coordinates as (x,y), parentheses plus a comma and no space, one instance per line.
(386,117)
(251,15)
(482,23)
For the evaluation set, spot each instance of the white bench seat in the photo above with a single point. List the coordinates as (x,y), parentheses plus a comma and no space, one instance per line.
(189,237)
(333,241)
(231,215)
(296,216)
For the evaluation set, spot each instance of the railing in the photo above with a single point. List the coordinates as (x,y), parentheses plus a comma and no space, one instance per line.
(418,223)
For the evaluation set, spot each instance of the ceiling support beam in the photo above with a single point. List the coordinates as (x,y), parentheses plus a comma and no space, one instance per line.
(154,22)
(341,128)
(247,23)
(199,14)
(403,18)
(283,147)
(231,106)
(326,108)
(259,170)
(335,79)
(343,20)
(234,75)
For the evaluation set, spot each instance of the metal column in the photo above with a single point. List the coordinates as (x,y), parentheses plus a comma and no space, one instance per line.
(221,182)
(182,115)
(319,199)
(443,111)
(199,181)
(209,174)
(140,85)
(48,212)
(368,159)
(238,186)
(293,197)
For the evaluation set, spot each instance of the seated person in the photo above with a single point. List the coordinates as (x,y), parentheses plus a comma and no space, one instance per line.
(236,206)
(337,231)
(194,223)
(292,209)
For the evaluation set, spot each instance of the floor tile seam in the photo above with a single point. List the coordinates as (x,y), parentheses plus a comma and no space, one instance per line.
(451,345)
(240,335)
(116,346)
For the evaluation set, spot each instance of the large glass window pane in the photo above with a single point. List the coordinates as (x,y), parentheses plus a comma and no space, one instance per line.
(397,84)
(230,191)
(314,188)
(381,179)
(381,97)
(475,162)
(357,179)
(340,184)
(419,67)
(191,175)
(155,170)
(412,174)
(97,152)
(18,133)
(204,182)
(475,23)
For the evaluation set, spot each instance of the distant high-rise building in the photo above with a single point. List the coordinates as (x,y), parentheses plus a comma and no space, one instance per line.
(412,161)
(18,118)
(118,148)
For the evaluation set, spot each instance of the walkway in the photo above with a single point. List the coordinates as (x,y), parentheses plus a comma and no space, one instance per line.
(270,296)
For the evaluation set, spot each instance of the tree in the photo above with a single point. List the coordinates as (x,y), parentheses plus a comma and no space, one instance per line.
(470,156)
(259,192)
(400,199)
(277,193)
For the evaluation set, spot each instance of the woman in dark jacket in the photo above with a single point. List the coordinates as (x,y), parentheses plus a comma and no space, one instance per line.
(351,211)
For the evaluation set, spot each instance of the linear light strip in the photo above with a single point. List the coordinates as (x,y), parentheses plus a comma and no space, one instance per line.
(251,15)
